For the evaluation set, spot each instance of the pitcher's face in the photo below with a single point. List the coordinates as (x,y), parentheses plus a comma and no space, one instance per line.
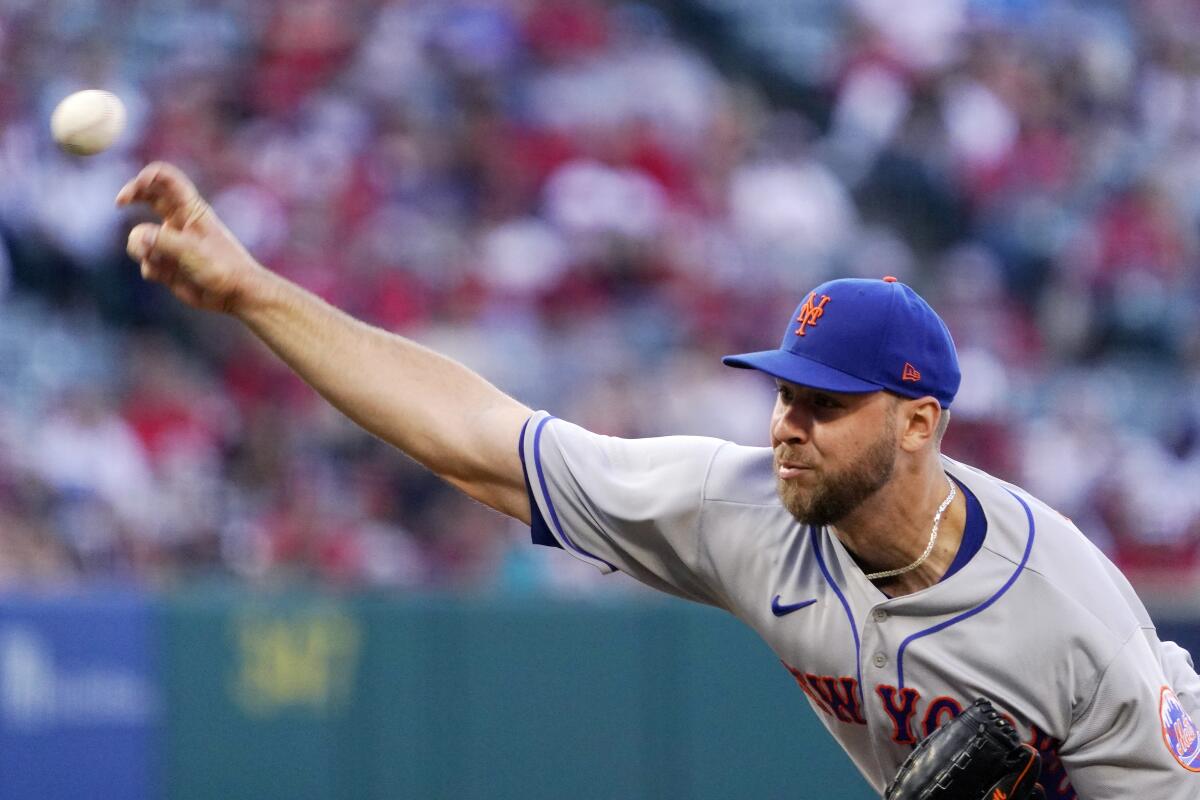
(832,451)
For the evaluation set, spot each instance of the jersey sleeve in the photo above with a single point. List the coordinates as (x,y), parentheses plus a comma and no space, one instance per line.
(634,505)
(1127,740)
(1181,675)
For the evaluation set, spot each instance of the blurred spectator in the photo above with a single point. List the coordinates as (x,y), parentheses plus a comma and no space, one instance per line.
(571,198)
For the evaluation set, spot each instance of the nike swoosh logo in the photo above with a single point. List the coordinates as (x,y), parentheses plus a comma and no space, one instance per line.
(782,610)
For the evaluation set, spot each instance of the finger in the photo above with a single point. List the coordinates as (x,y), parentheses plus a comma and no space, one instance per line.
(192,214)
(164,187)
(142,240)
(155,174)
(173,244)
(154,241)
(159,270)
(125,196)
(134,190)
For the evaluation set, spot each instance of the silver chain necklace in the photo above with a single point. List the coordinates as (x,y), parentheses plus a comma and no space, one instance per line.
(937,522)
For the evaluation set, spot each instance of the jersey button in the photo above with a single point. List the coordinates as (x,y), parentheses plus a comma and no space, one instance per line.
(880,660)
(879,615)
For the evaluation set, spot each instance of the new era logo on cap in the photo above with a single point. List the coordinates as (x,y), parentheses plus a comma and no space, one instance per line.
(873,334)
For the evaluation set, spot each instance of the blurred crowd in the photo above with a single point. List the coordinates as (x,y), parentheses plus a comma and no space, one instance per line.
(570,197)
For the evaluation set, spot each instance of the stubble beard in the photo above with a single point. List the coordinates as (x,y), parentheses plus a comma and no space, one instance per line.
(843,491)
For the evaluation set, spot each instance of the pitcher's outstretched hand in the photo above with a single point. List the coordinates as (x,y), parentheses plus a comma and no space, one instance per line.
(191,252)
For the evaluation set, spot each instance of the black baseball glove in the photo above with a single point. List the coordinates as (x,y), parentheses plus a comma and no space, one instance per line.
(975,756)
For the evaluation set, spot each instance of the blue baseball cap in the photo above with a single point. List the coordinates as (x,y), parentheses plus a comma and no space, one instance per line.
(856,336)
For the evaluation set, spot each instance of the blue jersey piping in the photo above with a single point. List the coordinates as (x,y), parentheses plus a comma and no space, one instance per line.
(537,461)
(539,531)
(816,544)
(967,614)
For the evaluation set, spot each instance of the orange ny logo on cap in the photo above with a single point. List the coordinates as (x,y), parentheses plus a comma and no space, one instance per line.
(811,311)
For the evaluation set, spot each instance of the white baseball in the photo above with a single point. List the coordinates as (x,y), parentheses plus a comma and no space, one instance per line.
(88,122)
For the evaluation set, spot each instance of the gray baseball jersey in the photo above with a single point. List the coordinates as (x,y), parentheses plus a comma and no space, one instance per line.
(1037,620)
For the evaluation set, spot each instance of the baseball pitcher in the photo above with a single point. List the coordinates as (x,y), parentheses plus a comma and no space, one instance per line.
(958,637)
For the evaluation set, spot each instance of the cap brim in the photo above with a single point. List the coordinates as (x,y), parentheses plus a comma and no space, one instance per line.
(803,371)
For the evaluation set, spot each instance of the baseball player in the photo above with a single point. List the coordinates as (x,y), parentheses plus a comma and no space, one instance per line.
(896,585)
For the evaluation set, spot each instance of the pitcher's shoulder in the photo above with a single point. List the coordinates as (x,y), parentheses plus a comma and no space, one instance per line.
(1016,519)
(1069,568)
